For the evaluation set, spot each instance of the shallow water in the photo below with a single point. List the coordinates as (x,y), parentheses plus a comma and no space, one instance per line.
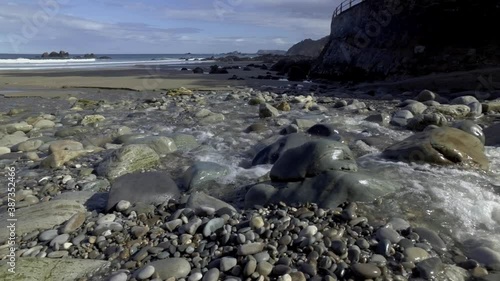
(460,204)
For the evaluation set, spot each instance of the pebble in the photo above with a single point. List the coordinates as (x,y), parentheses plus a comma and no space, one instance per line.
(59,240)
(197,276)
(211,275)
(415,254)
(389,234)
(122,276)
(227,263)
(264,268)
(122,205)
(74,223)
(250,249)
(47,235)
(106,219)
(146,272)
(250,267)
(366,270)
(257,222)
(212,226)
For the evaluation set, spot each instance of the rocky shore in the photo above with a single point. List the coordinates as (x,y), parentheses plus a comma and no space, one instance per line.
(247,184)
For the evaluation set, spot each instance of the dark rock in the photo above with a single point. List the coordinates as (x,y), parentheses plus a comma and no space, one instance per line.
(198,70)
(312,159)
(492,135)
(150,187)
(328,190)
(271,153)
(430,268)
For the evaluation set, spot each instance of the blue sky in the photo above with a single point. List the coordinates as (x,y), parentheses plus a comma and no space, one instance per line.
(160,26)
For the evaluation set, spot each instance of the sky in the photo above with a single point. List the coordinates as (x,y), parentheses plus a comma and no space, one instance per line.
(160,26)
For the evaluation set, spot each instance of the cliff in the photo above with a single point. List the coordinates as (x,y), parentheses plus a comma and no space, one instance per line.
(377,38)
(308,47)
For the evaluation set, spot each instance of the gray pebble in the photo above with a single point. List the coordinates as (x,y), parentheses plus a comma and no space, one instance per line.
(211,275)
(47,235)
(146,272)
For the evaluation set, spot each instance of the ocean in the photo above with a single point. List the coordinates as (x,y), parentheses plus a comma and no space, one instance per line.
(35,62)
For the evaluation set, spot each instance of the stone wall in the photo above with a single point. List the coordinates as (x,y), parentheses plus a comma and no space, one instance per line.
(377,38)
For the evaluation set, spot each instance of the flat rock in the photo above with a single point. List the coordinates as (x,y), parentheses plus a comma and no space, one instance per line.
(149,187)
(202,173)
(41,216)
(29,269)
(160,144)
(11,140)
(443,146)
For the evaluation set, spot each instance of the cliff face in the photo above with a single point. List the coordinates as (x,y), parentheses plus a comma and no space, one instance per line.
(308,47)
(377,38)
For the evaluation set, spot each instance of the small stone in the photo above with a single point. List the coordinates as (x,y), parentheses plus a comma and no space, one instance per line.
(250,249)
(59,240)
(212,226)
(227,263)
(47,235)
(415,254)
(389,234)
(366,270)
(123,205)
(310,230)
(122,276)
(146,272)
(74,223)
(197,276)
(264,268)
(250,267)
(211,275)
(257,222)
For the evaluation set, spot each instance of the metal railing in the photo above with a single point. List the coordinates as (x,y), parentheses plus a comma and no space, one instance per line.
(346,5)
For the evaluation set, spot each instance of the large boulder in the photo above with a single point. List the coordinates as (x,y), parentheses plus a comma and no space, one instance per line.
(271,153)
(150,187)
(328,190)
(443,146)
(312,159)
(203,173)
(128,159)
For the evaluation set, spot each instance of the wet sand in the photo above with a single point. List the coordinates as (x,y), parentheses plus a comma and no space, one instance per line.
(135,79)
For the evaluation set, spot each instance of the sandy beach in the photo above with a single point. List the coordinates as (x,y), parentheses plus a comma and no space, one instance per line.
(150,78)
